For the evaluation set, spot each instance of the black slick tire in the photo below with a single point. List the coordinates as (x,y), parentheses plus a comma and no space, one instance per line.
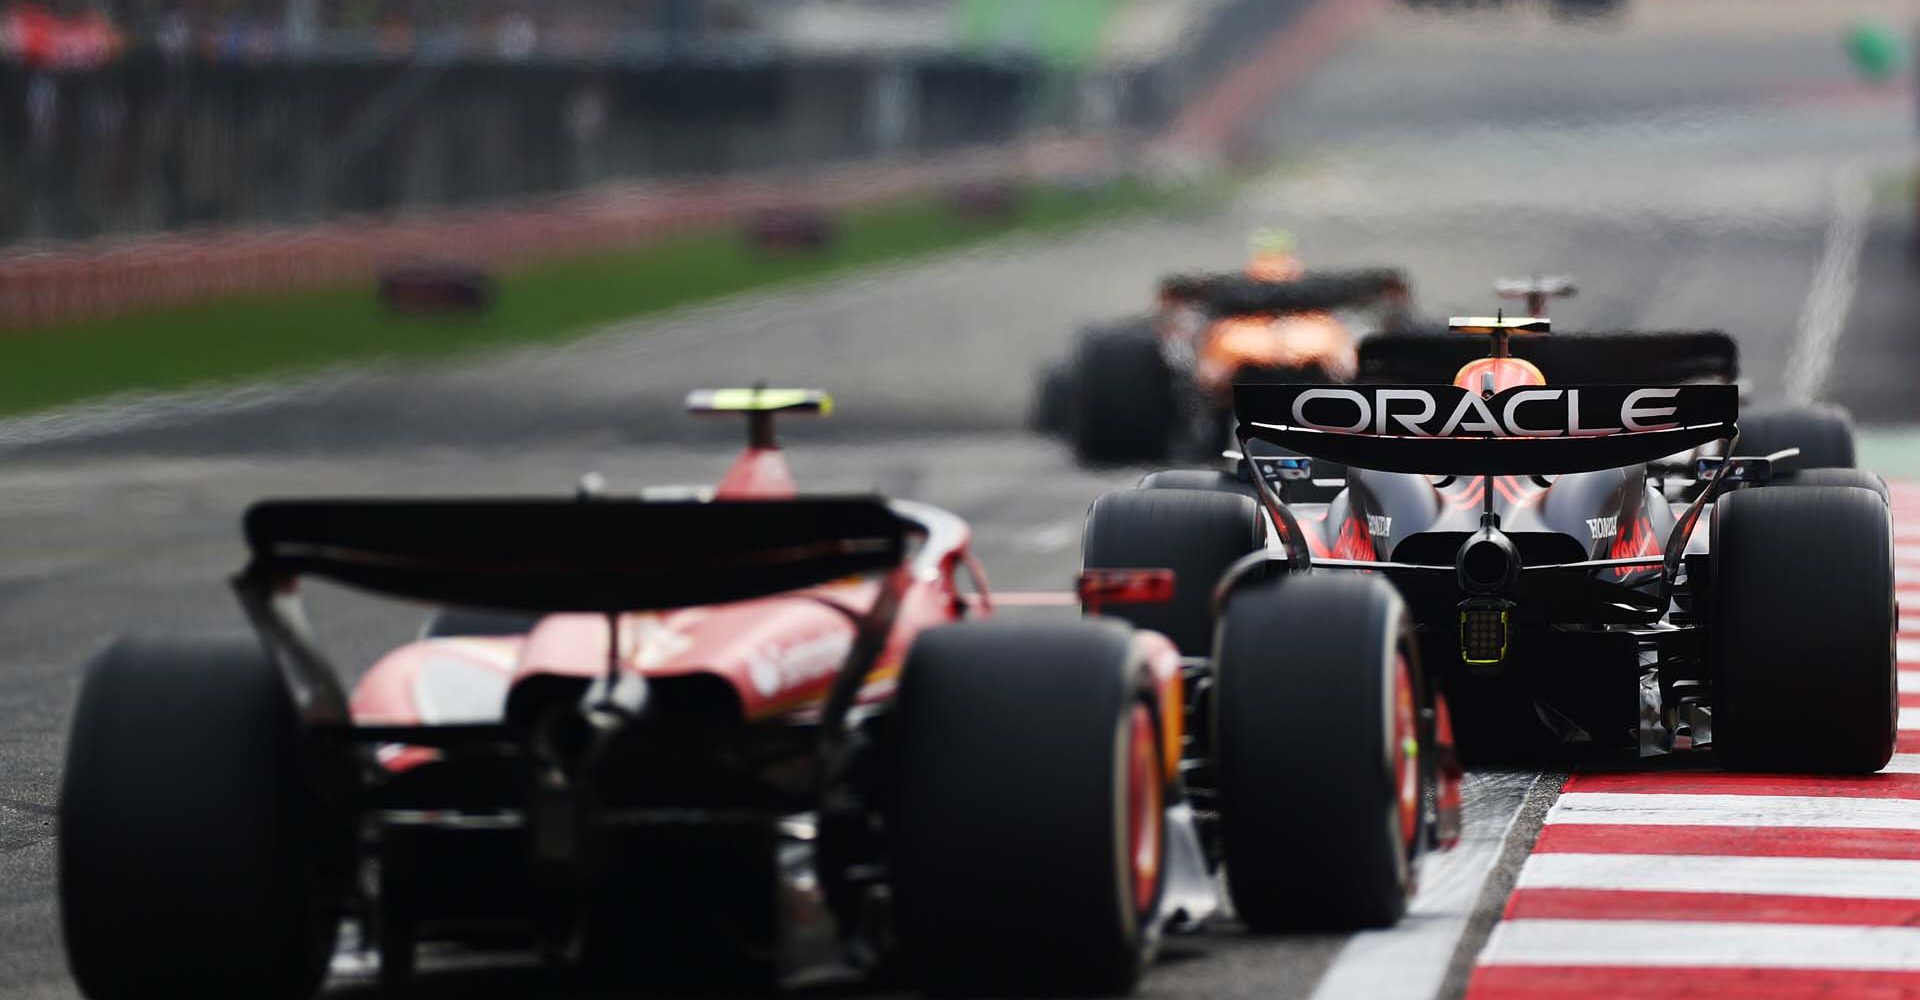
(1124,405)
(1196,534)
(1309,731)
(1824,435)
(1051,410)
(1803,620)
(1011,795)
(1843,477)
(194,858)
(1204,480)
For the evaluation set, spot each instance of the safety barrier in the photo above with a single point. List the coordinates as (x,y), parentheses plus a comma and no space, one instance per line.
(75,282)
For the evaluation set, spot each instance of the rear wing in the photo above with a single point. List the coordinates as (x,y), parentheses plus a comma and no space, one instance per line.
(567,555)
(1446,430)
(1624,357)
(1234,294)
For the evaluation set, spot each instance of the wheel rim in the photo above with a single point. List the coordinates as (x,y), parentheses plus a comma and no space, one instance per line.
(1406,753)
(1143,809)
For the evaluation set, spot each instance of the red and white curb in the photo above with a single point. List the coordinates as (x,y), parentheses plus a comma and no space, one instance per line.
(1762,887)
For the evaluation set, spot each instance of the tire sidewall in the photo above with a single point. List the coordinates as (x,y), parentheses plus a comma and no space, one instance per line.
(191,845)
(991,814)
(1815,609)
(1345,813)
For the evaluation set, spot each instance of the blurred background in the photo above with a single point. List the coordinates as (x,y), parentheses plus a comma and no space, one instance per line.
(253,247)
(135,115)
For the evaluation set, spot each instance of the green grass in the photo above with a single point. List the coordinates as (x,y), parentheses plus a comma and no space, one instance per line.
(248,338)
(1894,187)
(1893,452)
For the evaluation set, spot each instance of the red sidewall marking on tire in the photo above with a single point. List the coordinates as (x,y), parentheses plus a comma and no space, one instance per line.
(1406,753)
(1145,803)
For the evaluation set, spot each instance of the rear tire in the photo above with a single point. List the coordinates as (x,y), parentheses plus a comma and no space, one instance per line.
(1860,478)
(1051,411)
(1803,638)
(1203,480)
(1015,794)
(1198,535)
(195,859)
(1124,407)
(1317,691)
(1824,435)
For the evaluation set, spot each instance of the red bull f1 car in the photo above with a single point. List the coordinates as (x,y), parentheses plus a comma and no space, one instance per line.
(1598,562)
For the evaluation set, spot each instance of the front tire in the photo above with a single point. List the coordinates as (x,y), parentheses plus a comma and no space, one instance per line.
(1824,435)
(1197,534)
(1029,836)
(195,859)
(1802,648)
(1318,753)
(1843,477)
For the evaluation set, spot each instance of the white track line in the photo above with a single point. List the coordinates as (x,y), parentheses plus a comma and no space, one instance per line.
(1635,808)
(1909,681)
(1409,961)
(1903,763)
(1837,878)
(137,411)
(1687,943)
(1824,315)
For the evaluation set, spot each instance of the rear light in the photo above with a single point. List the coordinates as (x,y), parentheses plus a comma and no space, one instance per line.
(1100,587)
(1485,628)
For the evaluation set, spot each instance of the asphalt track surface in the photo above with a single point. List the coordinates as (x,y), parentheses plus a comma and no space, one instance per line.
(1682,161)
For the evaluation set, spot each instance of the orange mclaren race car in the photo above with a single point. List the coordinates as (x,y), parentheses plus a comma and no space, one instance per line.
(1147,388)
(737,735)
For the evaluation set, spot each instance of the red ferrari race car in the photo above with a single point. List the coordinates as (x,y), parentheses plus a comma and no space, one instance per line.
(758,738)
